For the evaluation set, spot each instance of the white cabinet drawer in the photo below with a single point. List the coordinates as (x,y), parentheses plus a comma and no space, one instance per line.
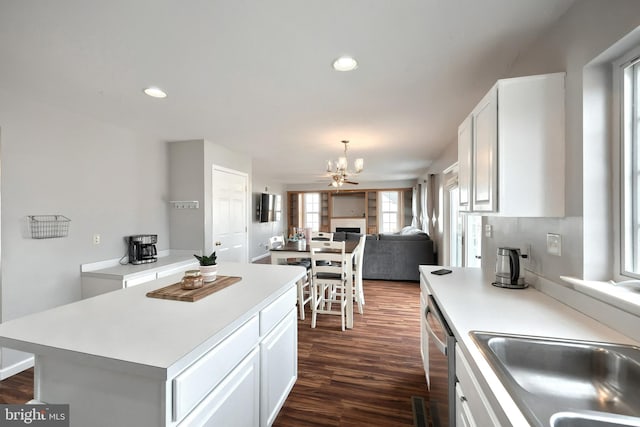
(195,382)
(235,402)
(140,280)
(479,406)
(276,311)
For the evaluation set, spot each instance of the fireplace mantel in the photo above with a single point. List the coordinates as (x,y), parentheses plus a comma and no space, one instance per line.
(357,222)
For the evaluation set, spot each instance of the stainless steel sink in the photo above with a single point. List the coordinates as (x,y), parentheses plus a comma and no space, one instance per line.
(563,383)
(591,419)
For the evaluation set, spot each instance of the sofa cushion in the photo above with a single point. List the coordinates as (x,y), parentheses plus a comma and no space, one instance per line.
(339,236)
(353,236)
(410,230)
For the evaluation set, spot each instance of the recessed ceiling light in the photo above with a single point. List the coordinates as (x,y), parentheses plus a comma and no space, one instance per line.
(156,92)
(345,63)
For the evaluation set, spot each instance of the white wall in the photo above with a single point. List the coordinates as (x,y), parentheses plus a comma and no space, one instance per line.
(262,231)
(106,179)
(191,170)
(587,29)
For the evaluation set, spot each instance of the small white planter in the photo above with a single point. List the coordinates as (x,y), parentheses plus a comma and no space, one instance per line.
(209,272)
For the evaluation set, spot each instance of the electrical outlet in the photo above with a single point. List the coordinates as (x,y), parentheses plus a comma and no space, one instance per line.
(488,230)
(96,239)
(554,244)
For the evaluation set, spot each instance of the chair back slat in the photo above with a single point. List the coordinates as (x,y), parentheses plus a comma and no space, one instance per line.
(322,236)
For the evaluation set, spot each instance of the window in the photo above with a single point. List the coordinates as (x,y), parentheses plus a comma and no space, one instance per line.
(389,211)
(311,211)
(628,78)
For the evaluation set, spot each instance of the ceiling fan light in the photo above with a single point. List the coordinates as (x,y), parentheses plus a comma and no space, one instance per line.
(359,165)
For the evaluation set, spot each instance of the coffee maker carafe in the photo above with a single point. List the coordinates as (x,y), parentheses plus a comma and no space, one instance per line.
(508,271)
(142,248)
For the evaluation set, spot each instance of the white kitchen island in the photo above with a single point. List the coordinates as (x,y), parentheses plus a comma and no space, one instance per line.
(128,360)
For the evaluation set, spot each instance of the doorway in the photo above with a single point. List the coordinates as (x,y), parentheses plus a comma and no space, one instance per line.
(229,214)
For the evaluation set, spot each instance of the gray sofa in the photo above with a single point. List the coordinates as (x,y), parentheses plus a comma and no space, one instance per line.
(394,256)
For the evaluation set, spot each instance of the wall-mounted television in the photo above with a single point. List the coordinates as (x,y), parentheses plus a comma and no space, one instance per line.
(269,207)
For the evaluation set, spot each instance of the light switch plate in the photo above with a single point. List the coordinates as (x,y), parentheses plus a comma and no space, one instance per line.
(554,244)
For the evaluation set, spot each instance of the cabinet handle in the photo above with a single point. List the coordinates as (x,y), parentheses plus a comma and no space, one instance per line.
(463,398)
(218,243)
(478,257)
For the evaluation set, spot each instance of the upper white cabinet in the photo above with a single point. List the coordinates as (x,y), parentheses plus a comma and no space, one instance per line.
(511,149)
(465,153)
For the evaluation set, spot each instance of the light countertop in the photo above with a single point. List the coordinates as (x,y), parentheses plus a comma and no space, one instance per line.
(469,302)
(149,334)
(131,271)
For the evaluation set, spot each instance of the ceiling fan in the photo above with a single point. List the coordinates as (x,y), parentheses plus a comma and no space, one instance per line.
(338,170)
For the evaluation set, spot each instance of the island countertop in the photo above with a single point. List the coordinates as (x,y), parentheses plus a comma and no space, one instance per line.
(152,336)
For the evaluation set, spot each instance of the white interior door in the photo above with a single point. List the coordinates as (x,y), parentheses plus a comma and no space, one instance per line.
(229,214)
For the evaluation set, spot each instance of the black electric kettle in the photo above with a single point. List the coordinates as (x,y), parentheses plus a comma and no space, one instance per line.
(508,272)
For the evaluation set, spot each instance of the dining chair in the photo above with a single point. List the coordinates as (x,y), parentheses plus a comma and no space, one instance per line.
(328,280)
(358,288)
(322,236)
(304,284)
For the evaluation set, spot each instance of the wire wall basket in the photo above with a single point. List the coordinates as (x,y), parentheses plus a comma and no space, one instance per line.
(49,226)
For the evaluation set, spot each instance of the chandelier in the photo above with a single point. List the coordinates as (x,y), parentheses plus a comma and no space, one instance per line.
(338,170)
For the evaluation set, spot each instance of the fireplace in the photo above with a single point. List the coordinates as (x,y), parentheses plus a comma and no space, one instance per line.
(352,225)
(349,229)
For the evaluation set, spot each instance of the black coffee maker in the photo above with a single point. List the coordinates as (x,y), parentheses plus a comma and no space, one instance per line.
(142,248)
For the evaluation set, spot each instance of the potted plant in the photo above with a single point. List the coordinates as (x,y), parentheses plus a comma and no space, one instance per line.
(208,267)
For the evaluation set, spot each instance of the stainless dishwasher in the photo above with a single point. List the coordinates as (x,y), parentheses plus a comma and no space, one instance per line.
(442,369)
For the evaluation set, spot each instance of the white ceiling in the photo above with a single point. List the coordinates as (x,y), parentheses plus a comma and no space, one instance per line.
(256,76)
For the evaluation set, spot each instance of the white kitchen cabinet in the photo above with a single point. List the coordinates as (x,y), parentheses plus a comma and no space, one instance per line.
(235,402)
(473,407)
(163,363)
(464,418)
(465,163)
(278,368)
(166,270)
(517,149)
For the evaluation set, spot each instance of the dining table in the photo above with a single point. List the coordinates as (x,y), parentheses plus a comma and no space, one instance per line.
(300,249)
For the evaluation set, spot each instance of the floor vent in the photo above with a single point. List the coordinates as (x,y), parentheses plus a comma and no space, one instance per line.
(420,418)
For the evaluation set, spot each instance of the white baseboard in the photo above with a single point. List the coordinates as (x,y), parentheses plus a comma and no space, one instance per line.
(259,257)
(16,368)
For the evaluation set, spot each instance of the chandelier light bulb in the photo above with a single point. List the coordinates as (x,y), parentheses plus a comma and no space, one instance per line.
(342,163)
(359,165)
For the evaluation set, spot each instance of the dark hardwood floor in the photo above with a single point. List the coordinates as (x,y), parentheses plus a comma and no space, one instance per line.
(18,388)
(364,376)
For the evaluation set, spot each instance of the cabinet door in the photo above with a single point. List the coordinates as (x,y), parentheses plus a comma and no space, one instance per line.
(279,367)
(485,154)
(424,336)
(235,402)
(463,413)
(465,163)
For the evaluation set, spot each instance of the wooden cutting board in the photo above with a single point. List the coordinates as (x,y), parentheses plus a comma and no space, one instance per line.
(175,292)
